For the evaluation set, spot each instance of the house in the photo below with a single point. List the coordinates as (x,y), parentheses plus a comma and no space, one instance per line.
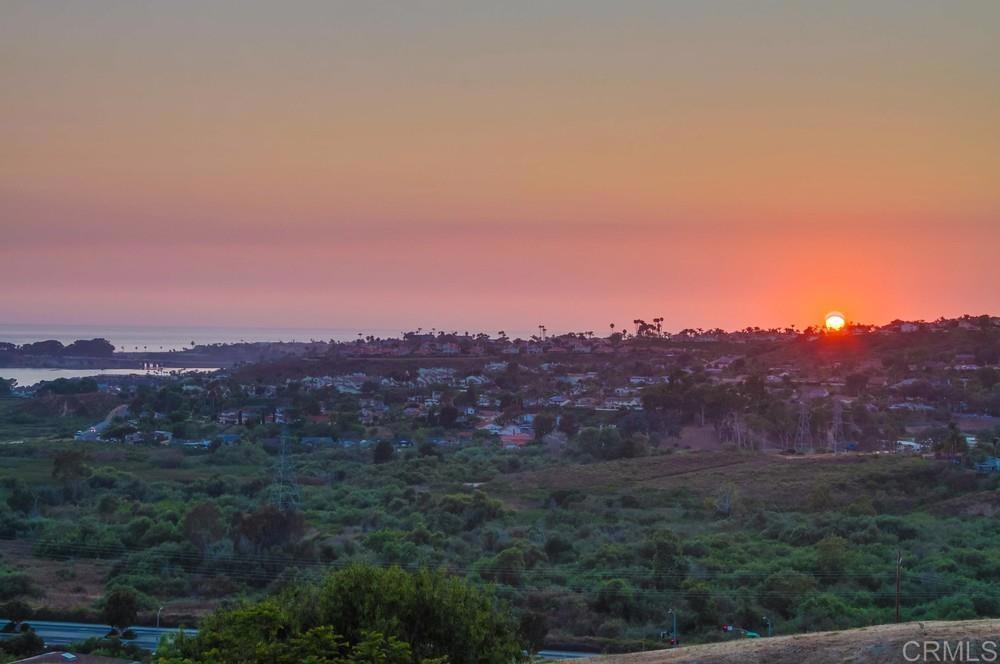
(513,436)
(193,444)
(91,434)
(317,441)
(990,465)
(229,417)
(909,446)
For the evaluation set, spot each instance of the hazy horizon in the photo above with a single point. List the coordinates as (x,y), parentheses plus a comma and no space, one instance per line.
(484,166)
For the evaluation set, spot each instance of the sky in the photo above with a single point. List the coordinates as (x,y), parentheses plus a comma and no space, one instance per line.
(498,165)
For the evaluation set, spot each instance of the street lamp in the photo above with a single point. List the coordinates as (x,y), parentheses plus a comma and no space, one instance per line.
(674,640)
(158,616)
(770,626)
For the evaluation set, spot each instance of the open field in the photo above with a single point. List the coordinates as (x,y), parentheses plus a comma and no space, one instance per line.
(59,417)
(62,584)
(880,644)
(767,479)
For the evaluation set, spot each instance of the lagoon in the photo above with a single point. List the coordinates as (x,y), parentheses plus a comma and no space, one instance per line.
(32,376)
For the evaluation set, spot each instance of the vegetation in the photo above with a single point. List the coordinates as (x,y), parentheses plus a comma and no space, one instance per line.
(718,538)
(358,614)
(591,526)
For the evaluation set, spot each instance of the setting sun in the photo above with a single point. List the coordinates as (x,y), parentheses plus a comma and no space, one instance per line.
(835,321)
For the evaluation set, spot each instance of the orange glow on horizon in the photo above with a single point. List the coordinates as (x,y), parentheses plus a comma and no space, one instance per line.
(487,166)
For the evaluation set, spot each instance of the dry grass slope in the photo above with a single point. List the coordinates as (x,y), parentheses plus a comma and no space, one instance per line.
(881,644)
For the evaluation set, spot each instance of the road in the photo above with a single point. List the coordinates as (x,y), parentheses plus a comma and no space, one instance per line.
(560,655)
(64,633)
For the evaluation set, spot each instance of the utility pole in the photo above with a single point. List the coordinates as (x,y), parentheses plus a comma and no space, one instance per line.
(770,626)
(673,636)
(899,566)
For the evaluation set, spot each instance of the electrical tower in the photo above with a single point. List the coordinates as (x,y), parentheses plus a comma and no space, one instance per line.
(738,430)
(803,435)
(837,430)
(286,492)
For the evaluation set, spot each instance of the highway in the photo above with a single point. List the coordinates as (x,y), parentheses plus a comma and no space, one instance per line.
(554,655)
(65,633)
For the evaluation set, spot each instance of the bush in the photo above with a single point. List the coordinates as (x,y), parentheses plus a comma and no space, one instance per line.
(16,584)
(25,644)
(784,590)
(824,612)
(16,611)
(414,618)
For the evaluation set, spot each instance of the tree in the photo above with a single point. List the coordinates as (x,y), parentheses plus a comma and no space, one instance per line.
(17,611)
(384,451)
(616,597)
(567,424)
(953,442)
(91,348)
(21,498)
(856,383)
(448,415)
(668,565)
(359,614)
(203,525)
(70,469)
(699,598)
(832,555)
(121,606)
(543,424)
(784,590)
(25,644)
(15,584)
(988,377)
(265,528)
(69,386)
(603,443)
(50,347)
(635,445)
(534,627)
(7,386)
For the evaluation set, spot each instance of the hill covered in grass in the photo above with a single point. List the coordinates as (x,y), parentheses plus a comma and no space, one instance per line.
(879,644)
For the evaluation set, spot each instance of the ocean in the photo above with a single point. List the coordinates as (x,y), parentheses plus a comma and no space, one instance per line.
(155,339)
(29,377)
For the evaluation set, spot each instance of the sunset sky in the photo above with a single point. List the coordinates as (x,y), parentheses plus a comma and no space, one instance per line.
(495,165)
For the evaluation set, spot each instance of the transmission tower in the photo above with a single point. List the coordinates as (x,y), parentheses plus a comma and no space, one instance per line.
(286,492)
(738,430)
(803,435)
(837,430)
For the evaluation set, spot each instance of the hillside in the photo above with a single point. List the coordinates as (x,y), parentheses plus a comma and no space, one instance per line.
(880,644)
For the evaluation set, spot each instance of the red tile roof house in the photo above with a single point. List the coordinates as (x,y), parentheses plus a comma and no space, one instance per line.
(516,440)
(515,436)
